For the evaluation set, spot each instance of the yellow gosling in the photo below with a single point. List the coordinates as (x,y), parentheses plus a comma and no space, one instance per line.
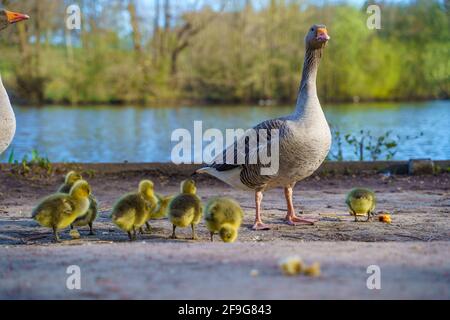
(59,210)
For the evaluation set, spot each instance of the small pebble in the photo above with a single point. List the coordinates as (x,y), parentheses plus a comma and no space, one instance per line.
(254,273)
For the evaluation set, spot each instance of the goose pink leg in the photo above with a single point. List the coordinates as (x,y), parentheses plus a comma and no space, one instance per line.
(259,225)
(291,218)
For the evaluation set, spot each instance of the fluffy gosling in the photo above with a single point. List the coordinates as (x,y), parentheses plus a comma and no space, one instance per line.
(132,210)
(186,208)
(361,201)
(161,209)
(59,210)
(69,181)
(223,215)
(91,214)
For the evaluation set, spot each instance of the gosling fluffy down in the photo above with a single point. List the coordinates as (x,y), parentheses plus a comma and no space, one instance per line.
(361,202)
(91,214)
(223,215)
(59,210)
(186,208)
(162,208)
(132,210)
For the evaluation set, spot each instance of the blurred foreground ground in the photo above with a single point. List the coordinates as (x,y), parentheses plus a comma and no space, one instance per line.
(413,252)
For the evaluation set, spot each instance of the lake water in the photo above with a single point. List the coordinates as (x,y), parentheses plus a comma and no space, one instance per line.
(117,134)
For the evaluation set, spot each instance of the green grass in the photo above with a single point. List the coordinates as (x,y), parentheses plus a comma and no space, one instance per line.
(30,163)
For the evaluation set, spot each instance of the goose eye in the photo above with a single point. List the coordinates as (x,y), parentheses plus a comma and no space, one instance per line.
(312,29)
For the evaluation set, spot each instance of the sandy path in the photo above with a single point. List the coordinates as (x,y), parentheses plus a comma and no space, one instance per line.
(413,252)
(218,271)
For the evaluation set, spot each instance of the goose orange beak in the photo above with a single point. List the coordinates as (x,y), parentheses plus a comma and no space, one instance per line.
(322,35)
(14,17)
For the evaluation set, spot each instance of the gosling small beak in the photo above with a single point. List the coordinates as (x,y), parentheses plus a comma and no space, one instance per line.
(322,35)
(14,17)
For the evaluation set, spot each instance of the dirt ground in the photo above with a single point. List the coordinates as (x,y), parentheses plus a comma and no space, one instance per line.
(412,252)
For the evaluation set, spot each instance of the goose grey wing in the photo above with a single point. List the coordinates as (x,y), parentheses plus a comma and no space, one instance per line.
(250,152)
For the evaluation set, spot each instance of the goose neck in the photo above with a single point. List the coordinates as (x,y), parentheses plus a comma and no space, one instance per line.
(307,94)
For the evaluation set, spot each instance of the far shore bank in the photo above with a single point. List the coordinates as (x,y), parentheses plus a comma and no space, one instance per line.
(171,169)
(203,103)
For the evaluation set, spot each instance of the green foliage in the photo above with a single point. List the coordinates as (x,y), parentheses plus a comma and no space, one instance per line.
(366,146)
(339,155)
(375,146)
(11,157)
(244,54)
(35,163)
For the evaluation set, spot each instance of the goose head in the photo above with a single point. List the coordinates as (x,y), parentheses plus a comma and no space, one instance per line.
(317,37)
(9,17)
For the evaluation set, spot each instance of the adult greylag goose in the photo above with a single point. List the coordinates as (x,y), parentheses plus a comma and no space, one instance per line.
(7,118)
(304,141)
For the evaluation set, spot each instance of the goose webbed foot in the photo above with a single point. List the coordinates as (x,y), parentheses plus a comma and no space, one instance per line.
(293,220)
(259,225)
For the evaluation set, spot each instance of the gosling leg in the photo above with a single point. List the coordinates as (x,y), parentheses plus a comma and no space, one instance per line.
(212,236)
(356,216)
(173,236)
(147,225)
(194,236)
(55,235)
(91,230)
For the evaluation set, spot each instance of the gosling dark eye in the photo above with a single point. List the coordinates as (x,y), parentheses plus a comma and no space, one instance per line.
(312,29)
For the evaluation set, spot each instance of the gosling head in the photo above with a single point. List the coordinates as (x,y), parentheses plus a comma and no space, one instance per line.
(228,233)
(146,188)
(361,194)
(317,37)
(9,17)
(80,189)
(188,186)
(73,177)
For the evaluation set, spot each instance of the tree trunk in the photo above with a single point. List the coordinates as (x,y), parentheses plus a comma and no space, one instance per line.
(137,37)
(144,88)
(156,34)
(167,15)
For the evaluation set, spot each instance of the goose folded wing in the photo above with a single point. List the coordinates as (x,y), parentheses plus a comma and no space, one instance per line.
(242,152)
